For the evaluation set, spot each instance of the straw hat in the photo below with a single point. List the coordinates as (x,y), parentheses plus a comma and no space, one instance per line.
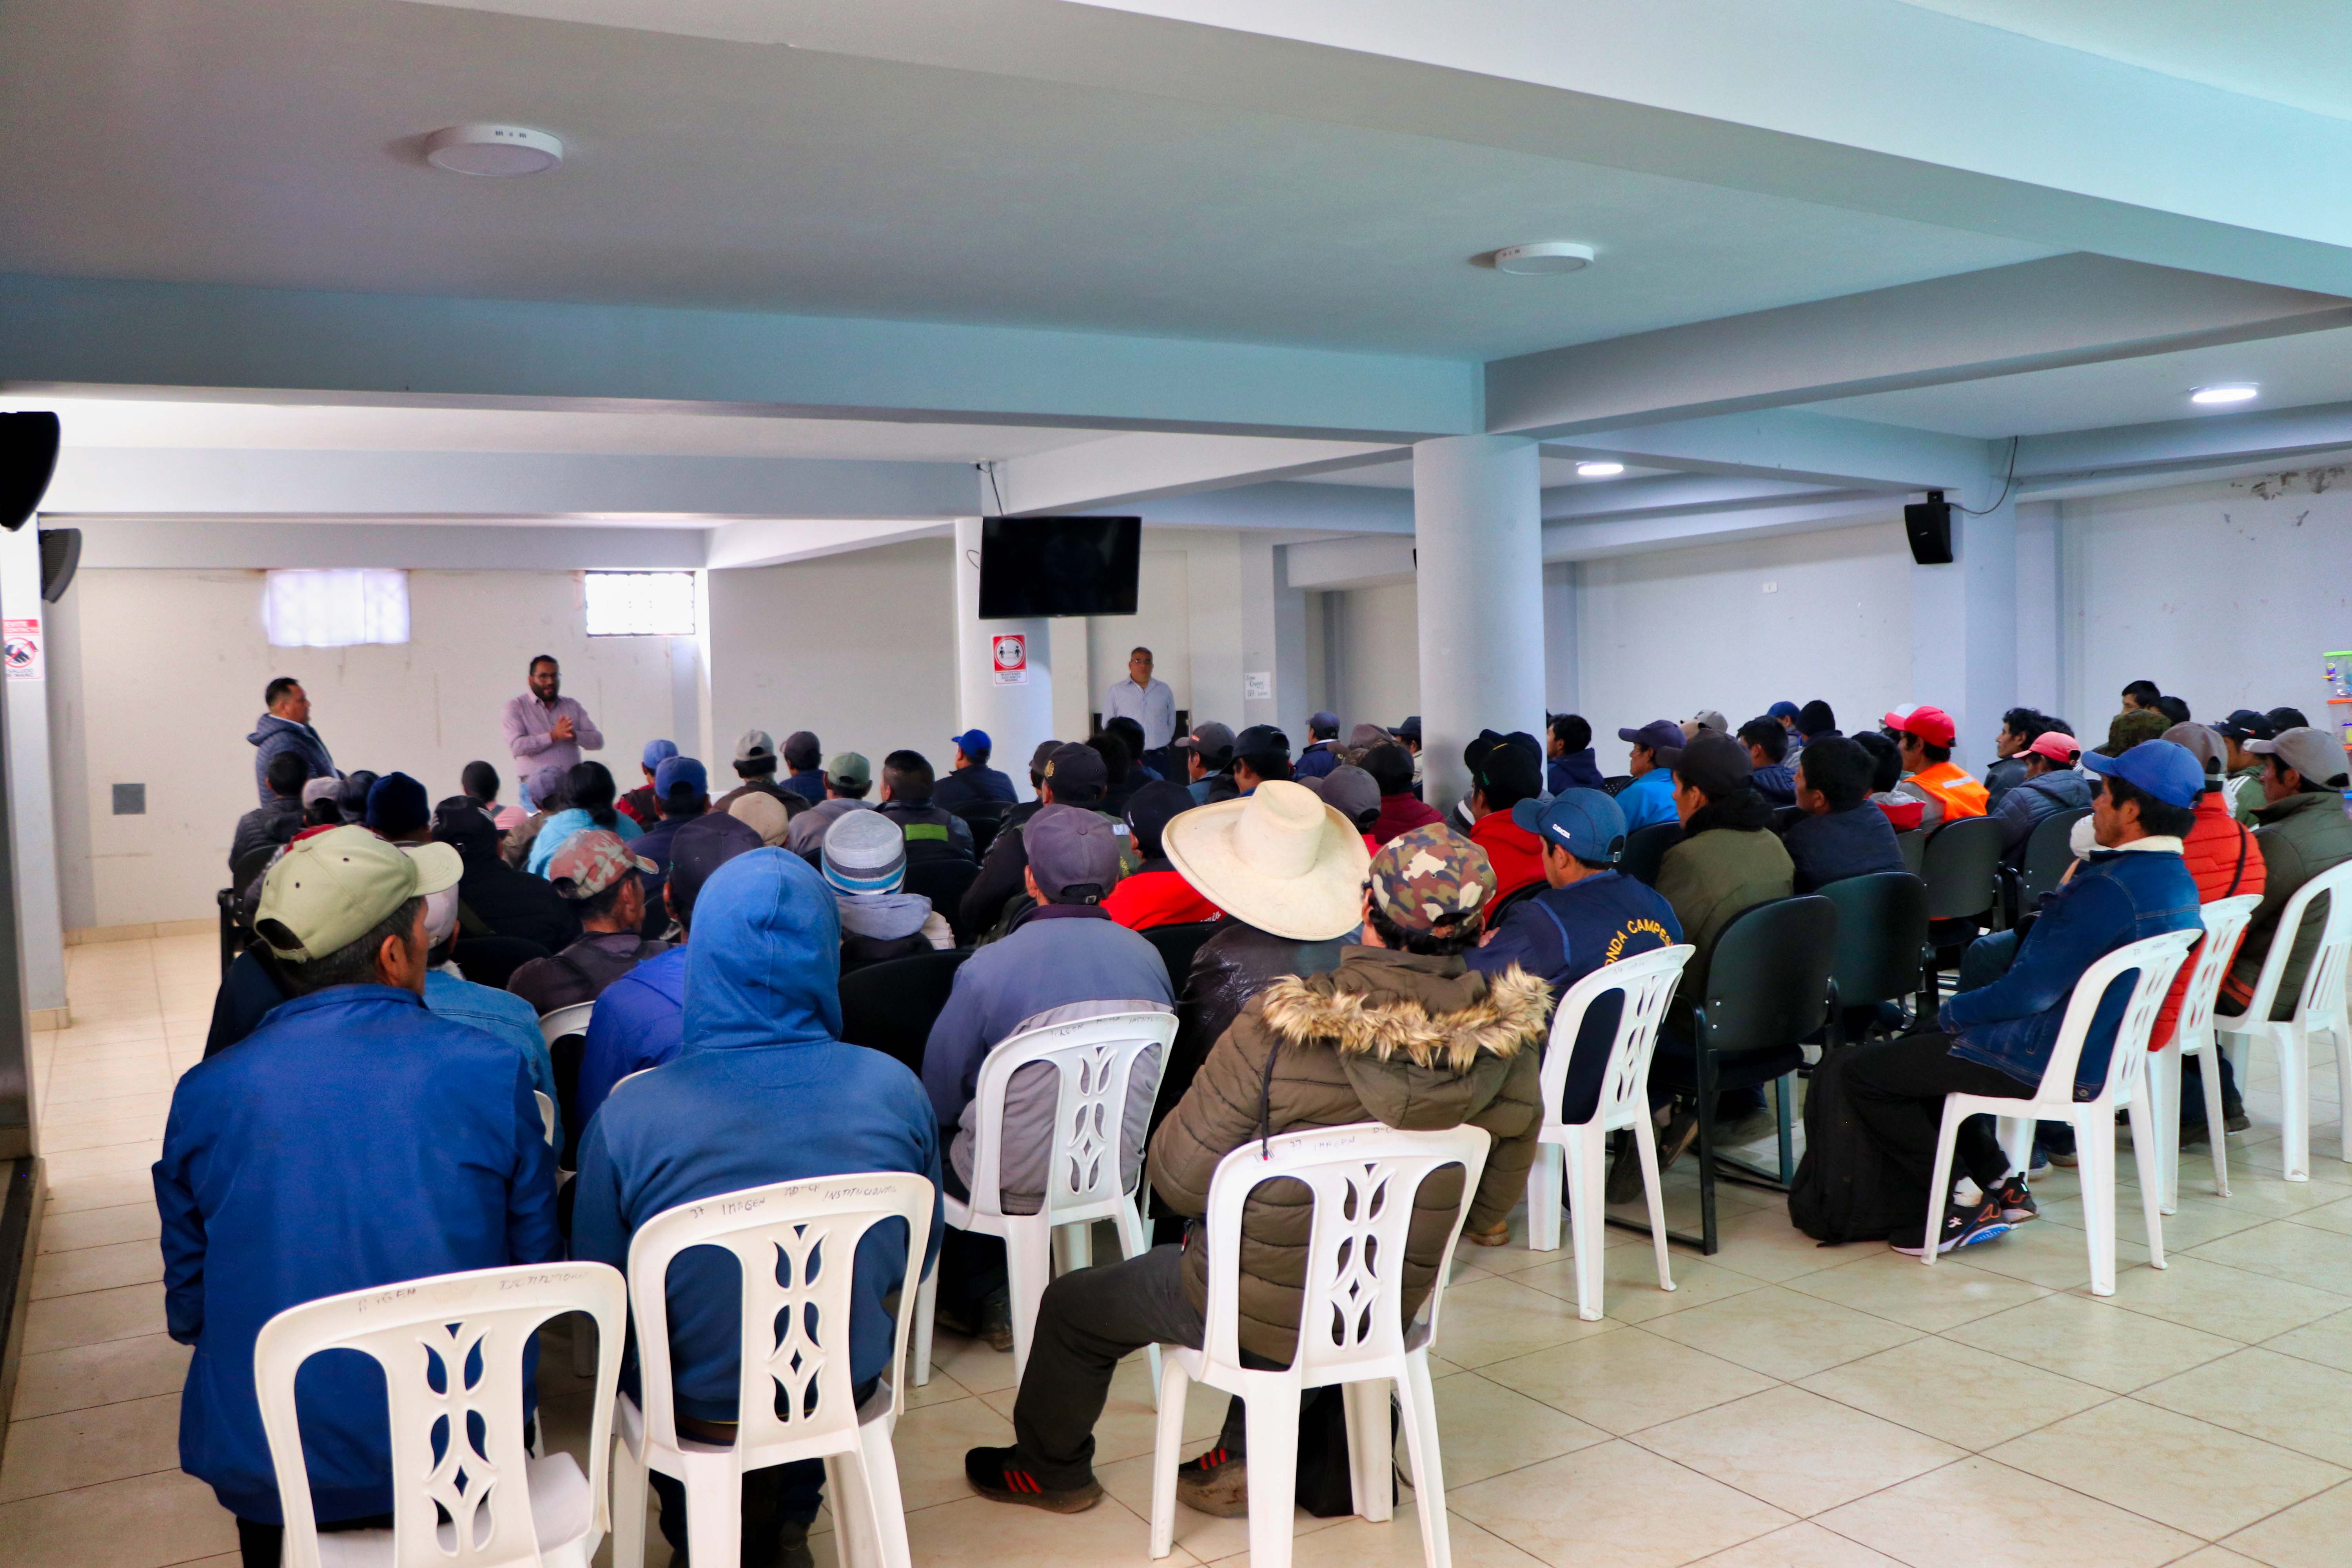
(1279,858)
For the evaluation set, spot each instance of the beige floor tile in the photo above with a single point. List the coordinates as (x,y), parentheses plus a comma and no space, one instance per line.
(100,1134)
(2082,1337)
(76,1194)
(144,1522)
(2336,1216)
(85,1037)
(1356,1544)
(115,1160)
(63,1089)
(96,1268)
(2203,1218)
(2313,1533)
(1629,1282)
(972,1363)
(930,1450)
(2224,1301)
(1978,1514)
(102,1374)
(1965,1396)
(1797,1450)
(93,1318)
(85,1447)
(1206,1536)
(1615,1506)
(2304,1254)
(1626,1381)
(1780,1333)
(2327,1341)
(976,1533)
(1799,1546)
(72,1231)
(2278,1398)
(1129,1425)
(2216,1557)
(113,1108)
(2055,1257)
(1763,1243)
(2169,1467)
(1484,1429)
(1889,1285)
(1491,1319)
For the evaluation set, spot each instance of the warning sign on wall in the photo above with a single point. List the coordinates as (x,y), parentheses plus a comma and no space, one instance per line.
(1012,657)
(22,645)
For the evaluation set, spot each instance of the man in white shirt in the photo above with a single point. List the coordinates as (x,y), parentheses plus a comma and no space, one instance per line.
(1147,701)
(544,727)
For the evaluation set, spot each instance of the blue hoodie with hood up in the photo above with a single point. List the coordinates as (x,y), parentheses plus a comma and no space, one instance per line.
(762,1091)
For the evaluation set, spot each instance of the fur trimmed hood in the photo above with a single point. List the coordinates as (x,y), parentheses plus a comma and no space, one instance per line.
(1430,1012)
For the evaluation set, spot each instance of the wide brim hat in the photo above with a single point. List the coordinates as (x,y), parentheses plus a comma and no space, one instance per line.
(1277,859)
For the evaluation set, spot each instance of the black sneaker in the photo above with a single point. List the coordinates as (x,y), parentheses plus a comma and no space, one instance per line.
(1964,1226)
(2233,1116)
(2017,1205)
(993,1327)
(1216,1482)
(998,1475)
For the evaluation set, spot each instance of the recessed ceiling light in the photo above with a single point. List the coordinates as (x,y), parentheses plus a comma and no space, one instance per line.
(1601,470)
(1542,256)
(2233,392)
(492,150)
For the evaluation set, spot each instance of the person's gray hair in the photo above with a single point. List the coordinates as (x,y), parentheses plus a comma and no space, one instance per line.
(353,963)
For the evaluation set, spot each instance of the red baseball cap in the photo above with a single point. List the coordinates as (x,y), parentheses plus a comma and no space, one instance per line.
(2057,747)
(1932,725)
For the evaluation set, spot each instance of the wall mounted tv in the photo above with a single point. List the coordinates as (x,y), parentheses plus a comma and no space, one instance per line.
(1058,566)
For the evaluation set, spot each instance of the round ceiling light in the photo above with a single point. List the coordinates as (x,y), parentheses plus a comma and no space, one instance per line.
(1543,257)
(2233,392)
(1599,470)
(492,150)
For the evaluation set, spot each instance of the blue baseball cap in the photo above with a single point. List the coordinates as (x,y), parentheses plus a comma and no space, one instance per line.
(659,752)
(2164,770)
(1586,823)
(1784,709)
(971,742)
(684,775)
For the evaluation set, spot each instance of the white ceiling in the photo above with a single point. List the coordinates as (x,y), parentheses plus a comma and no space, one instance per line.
(1398,475)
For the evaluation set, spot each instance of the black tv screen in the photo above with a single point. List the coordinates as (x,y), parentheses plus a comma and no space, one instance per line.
(1058,566)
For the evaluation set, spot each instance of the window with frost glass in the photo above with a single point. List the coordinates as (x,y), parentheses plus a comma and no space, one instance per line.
(337,608)
(640,604)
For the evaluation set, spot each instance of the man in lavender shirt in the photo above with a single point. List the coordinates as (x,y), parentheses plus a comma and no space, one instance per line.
(544,728)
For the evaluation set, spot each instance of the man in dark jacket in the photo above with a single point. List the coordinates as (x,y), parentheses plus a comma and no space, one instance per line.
(1839,833)
(932,832)
(755,764)
(284,726)
(805,758)
(2018,728)
(1402,811)
(279,815)
(638,803)
(1322,751)
(494,898)
(1770,774)
(2048,785)
(1070,775)
(356,1140)
(971,780)
(592,871)
(1568,755)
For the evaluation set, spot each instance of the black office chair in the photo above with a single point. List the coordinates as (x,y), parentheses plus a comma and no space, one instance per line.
(232,934)
(1882,944)
(1914,844)
(890,1007)
(1962,874)
(491,961)
(983,818)
(1646,850)
(2043,857)
(943,881)
(1616,783)
(1177,944)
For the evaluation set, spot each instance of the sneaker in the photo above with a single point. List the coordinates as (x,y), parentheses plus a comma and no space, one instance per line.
(2233,1116)
(2017,1205)
(993,1327)
(998,1475)
(1625,1171)
(1217,1483)
(2039,1166)
(793,1548)
(1963,1226)
(2065,1161)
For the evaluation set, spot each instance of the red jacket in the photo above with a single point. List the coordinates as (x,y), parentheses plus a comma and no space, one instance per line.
(2221,855)
(1402,813)
(1517,854)
(1145,898)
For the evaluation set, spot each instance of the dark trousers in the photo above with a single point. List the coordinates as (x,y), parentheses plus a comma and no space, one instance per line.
(1987,960)
(971,1264)
(261,1544)
(772,1498)
(1897,1092)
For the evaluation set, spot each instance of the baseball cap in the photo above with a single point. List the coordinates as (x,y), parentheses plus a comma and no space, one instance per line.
(592,860)
(755,746)
(971,742)
(397,803)
(802,751)
(1077,775)
(656,752)
(2245,725)
(1150,812)
(2317,755)
(1037,758)
(1658,735)
(1348,790)
(1262,740)
(1073,853)
(865,852)
(2056,746)
(1715,764)
(1925,722)
(1432,880)
(702,847)
(2200,741)
(2164,770)
(332,888)
(1211,739)
(849,768)
(545,785)
(1709,719)
(680,777)
(1510,768)
(1586,823)
(1363,737)
(1323,718)
(1784,709)
(1409,730)
(320,788)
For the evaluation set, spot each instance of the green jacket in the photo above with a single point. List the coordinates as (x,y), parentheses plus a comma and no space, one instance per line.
(1728,862)
(2245,791)
(2301,837)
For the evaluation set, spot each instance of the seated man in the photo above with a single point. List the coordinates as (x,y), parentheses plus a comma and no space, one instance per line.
(398,810)
(544,789)
(638,803)
(1506,775)
(277,819)
(865,863)
(1839,833)
(1261,753)
(805,758)
(354,1139)
(638,1021)
(1066,958)
(1772,777)
(1322,752)
(1923,736)
(451,996)
(1068,775)
(496,898)
(1156,893)
(681,793)
(1567,754)
(932,831)
(1301,1054)
(1350,791)
(848,779)
(755,764)
(1207,751)
(971,780)
(2048,785)
(1904,813)
(1402,811)
(2019,727)
(1995,1039)
(764,1092)
(2224,860)
(590,873)
(1650,798)
(2245,787)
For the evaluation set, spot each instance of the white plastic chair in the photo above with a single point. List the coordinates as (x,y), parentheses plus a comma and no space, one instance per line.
(2192,1036)
(1647,982)
(811,1228)
(561,1021)
(504,1507)
(2321,1008)
(1097,1060)
(2156,959)
(546,1115)
(1351,1326)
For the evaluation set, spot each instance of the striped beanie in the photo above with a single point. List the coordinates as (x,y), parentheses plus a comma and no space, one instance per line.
(865,852)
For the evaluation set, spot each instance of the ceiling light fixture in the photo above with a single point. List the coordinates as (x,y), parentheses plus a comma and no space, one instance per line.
(1599,470)
(2233,392)
(492,150)
(1543,257)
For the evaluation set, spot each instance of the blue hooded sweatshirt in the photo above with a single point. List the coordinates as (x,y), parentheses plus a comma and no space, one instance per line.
(639,1022)
(355,1138)
(763,1091)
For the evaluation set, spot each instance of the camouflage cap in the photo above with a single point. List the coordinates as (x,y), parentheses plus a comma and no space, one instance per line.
(592,860)
(1432,880)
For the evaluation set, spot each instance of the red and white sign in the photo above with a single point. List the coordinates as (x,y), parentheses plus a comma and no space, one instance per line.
(1010,653)
(21,640)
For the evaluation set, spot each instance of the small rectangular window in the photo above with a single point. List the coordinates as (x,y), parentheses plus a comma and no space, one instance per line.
(336,608)
(640,604)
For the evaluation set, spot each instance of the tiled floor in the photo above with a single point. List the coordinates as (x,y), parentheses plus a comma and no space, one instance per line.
(1786,1405)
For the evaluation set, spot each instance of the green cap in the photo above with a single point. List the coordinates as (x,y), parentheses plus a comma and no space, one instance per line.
(332,889)
(849,768)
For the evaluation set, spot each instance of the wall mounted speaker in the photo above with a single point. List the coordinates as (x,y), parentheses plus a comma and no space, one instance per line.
(1929,525)
(61,553)
(28,457)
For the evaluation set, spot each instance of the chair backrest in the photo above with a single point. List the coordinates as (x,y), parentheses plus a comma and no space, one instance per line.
(2049,850)
(944,882)
(1616,783)
(796,1245)
(2323,984)
(985,818)
(1914,844)
(423,1334)
(1767,980)
(890,1007)
(2225,925)
(546,1114)
(1177,944)
(1363,1178)
(1647,980)
(1098,1061)
(2152,960)
(1882,933)
(1962,859)
(1646,850)
(561,1021)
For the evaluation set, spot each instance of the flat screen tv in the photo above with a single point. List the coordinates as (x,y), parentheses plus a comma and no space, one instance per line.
(1058,566)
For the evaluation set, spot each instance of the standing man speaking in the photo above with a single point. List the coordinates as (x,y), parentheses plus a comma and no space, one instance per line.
(1147,701)
(544,728)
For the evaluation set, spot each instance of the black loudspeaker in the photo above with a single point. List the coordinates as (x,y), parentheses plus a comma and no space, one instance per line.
(61,553)
(28,457)
(1929,525)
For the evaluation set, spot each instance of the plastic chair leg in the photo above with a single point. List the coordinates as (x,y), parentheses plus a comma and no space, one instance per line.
(2094,1162)
(1028,1268)
(927,1306)
(1371,1451)
(2161,1090)
(1654,1193)
(1074,1247)
(1273,1414)
(2016,1136)
(1172,1383)
(852,1522)
(628,1507)
(1134,1241)
(2147,1158)
(714,1508)
(1420,1408)
(2209,1061)
(2294,1100)
(1587,1177)
(2340,1032)
(866,1490)
(1543,1198)
(1939,1180)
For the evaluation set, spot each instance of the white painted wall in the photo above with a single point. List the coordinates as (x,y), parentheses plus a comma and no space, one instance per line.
(1379,641)
(172,668)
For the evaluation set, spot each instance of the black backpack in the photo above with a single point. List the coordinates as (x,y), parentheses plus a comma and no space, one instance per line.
(1845,1190)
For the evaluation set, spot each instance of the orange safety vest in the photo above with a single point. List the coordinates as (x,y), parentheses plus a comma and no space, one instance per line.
(1961,796)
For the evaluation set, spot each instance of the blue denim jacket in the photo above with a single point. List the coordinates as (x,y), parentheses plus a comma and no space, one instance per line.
(2117,896)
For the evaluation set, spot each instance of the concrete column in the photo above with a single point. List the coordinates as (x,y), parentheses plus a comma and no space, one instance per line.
(1964,626)
(1016,715)
(1274,643)
(1564,687)
(32,814)
(1479,530)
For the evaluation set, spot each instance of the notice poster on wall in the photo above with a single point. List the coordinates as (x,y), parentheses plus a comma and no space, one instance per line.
(1010,651)
(22,641)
